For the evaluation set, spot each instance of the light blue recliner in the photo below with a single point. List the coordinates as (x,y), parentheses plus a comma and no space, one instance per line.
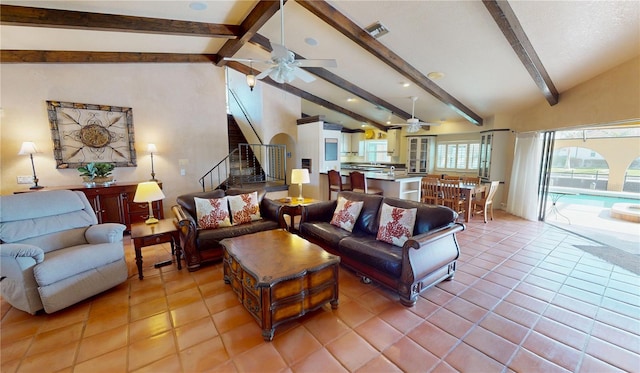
(53,252)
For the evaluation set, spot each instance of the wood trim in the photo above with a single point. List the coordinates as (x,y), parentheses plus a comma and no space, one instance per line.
(344,25)
(67,19)
(510,26)
(258,16)
(33,56)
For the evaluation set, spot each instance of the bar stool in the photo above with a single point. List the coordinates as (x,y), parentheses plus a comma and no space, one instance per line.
(335,182)
(359,184)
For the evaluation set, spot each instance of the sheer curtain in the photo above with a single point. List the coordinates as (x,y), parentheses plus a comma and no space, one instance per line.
(523,189)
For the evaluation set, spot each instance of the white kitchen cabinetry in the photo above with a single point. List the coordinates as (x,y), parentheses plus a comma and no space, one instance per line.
(357,144)
(346,143)
(393,142)
(492,162)
(420,155)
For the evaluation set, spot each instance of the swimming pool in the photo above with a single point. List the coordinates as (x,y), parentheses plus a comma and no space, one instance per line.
(597,201)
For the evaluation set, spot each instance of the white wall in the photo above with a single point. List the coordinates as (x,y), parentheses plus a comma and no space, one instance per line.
(179,107)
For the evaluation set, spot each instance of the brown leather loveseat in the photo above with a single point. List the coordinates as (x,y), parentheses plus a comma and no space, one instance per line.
(203,245)
(424,260)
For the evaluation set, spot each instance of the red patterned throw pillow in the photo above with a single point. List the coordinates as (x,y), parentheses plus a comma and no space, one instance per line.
(244,208)
(212,213)
(396,224)
(346,213)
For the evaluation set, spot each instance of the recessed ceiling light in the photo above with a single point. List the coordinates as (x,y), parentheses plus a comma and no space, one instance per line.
(197,5)
(351,99)
(435,75)
(388,122)
(311,41)
(405,84)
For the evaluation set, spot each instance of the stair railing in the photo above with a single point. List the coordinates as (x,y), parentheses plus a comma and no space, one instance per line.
(245,113)
(218,174)
(267,162)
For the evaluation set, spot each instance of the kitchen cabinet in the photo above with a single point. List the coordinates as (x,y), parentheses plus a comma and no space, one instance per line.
(393,142)
(357,144)
(492,161)
(419,154)
(346,143)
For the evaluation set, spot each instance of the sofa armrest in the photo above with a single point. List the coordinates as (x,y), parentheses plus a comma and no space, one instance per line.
(270,209)
(104,233)
(423,239)
(188,231)
(18,250)
(321,211)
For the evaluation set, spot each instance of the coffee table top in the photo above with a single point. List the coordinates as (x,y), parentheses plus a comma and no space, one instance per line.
(277,255)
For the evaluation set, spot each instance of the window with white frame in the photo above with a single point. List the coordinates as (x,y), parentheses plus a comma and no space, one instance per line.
(458,156)
(376,151)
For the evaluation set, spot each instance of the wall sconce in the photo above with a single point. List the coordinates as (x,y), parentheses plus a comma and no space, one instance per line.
(29,147)
(300,176)
(251,79)
(151,148)
(148,192)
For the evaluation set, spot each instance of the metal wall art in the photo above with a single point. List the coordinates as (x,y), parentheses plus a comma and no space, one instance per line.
(84,133)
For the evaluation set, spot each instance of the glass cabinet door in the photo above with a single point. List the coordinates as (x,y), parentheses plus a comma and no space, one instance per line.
(413,155)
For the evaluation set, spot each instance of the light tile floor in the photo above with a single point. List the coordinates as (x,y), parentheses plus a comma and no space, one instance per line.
(523,299)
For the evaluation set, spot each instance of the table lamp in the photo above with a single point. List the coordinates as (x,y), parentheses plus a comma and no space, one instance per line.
(300,176)
(148,192)
(151,148)
(29,147)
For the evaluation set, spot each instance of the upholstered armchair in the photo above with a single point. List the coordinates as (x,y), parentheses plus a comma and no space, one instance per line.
(53,252)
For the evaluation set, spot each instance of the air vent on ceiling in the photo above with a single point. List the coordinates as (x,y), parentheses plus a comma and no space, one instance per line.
(376,29)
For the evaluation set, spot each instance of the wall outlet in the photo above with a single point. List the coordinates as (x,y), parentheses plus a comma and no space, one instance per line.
(25,179)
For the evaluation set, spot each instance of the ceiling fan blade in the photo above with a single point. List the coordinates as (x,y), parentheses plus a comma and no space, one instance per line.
(317,63)
(249,60)
(279,52)
(303,75)
(265,73)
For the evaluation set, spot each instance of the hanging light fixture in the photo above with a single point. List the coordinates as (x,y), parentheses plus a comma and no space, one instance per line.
(251,79)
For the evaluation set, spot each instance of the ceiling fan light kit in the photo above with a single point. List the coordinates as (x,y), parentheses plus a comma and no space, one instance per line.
(414,124)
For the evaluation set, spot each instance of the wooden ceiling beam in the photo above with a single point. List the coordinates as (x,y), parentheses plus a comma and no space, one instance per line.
(66,19)
(510,26)
(334,79)
(355,33)
(244,69)
(258,16)
(37,56)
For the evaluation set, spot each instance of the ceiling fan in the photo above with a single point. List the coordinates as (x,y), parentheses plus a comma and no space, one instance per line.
(284,67)
(414,123)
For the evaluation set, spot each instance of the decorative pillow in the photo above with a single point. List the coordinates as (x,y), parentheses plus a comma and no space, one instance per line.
(244,208)
(212,213)
(396,224)
(346,213)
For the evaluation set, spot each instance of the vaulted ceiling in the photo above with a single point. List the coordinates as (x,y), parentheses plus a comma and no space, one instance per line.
(495,56)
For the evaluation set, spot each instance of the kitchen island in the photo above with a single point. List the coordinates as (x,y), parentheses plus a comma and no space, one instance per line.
(393,184)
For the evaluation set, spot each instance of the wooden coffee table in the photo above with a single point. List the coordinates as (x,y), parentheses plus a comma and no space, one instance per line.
(279,276)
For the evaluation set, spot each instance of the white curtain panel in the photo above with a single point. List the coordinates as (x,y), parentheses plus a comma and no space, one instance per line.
(523,190)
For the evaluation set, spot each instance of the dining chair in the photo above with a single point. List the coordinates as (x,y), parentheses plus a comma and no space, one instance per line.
(470,180)
(482,205)
(451,177)
(433,176)
(430,192)
(359,184)
(451,195)
(335,182)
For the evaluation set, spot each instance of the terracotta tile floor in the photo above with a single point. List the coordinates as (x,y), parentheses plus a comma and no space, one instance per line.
(524,299)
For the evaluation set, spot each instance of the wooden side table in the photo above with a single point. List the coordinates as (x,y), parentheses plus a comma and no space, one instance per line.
(152,234)
(293,208)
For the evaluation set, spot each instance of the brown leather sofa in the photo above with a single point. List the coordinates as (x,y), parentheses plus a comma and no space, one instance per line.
(424,260)
(203,245)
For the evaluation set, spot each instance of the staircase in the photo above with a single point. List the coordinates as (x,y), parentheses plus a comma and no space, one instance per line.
(247,165)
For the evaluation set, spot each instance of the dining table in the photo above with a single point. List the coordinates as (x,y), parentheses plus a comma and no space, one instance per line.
(469,191)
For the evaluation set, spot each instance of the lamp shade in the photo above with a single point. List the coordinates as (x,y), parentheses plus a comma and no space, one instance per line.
(300,176)
(148,191)
(151,148)
(28,147)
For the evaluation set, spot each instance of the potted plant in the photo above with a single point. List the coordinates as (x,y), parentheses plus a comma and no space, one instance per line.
(97,173)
